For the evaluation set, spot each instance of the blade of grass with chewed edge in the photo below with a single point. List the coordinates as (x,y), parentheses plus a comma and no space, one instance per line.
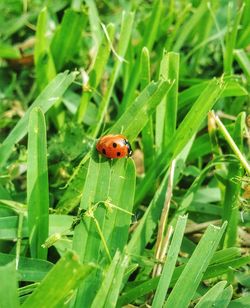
(108,293)
(166,111)
(96,72)
(109,187)
(44,64)
(188,127)
(192,274)
(170,262)
(126,30)
(45,101)
(8,286)
(55,288)
(233,187)
(37,184)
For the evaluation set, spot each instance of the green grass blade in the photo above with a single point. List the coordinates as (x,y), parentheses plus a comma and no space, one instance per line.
(190,25)
(170,262)
(150,219)
(192,274)
(112,183)
(241,302)
(28,269)
(9,52)
(147,132)
(166,111)
(45,100)
(188,127)
(149,37)
(94,21)
(232,190)
(243,61)
(66,39)
(136,116)
(232,144)
(211,296)
(126,30)
(96,73)
(108,293)
(8,286)
(151,284)
(44,64)
(232,30)
(55,288)
(225,298)
(232,88)
(37,184)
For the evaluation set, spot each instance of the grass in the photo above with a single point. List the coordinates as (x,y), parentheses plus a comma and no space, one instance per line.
(168,227)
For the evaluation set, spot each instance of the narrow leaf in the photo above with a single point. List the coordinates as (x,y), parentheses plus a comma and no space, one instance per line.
(45,100)
(37,184)
(55,287)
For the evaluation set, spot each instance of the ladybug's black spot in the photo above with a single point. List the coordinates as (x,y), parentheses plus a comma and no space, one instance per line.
(104,151)
(114,145)
(118,154)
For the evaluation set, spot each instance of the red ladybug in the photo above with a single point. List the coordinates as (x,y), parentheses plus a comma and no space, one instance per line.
(114,146)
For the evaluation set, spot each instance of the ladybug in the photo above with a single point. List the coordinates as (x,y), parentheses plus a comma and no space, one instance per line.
(114,146)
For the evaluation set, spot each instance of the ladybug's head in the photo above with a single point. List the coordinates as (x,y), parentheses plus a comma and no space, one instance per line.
(130,152)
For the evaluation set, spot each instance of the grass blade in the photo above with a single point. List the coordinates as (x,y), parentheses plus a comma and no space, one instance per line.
(150,219)
(232,30)
(211,272)
(151,29)
(110,288)
(45,101)
(97,72)
(225,298)
(147,132)
(166,111)
(8,286)
(170,262)
(106,185)
(37,184)
(211,296)
(44,64)
(66,39)
(243,61)
(190,25)
(192,274)
(28,269)
(184,133)
(136,116)
(55,288)
(232,190)
(126,29)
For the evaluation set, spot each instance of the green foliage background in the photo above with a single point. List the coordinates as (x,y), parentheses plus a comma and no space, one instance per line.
(168,227)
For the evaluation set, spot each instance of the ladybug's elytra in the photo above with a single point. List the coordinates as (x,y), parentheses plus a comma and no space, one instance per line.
(114,146)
